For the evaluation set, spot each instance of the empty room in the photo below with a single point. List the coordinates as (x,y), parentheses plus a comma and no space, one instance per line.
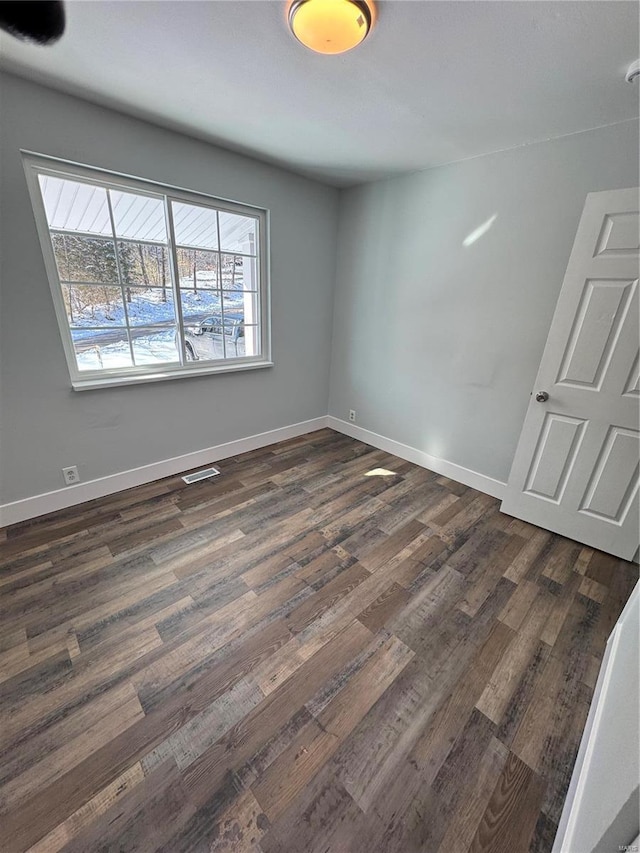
(319,426)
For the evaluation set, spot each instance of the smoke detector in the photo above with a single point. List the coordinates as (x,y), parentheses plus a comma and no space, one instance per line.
(633,71)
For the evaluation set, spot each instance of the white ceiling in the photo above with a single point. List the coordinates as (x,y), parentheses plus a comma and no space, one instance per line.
(434,82)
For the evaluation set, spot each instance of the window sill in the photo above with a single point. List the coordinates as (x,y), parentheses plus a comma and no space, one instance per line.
(115,381)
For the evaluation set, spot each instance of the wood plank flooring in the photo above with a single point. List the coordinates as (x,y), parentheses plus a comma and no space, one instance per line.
(325,649)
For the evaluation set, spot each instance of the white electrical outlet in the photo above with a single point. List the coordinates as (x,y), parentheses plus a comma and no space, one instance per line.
(71,476)
(352,415)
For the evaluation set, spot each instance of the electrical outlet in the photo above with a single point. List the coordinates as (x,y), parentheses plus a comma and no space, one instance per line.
(71,476)
(352,415)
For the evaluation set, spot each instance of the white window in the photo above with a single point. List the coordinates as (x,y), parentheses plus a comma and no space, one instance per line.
(149,282)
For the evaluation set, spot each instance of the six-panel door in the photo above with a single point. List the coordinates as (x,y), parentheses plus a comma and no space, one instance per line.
(576,466)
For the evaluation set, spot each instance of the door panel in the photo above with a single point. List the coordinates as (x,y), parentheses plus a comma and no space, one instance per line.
(576,466)
(632,388)
(556,452)
(601,312)
(619,234)
(614,481)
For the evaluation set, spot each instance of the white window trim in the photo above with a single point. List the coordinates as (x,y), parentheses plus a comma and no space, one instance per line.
(37,164)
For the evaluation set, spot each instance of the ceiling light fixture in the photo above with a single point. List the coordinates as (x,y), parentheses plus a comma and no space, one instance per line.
(331,26)
(633,71)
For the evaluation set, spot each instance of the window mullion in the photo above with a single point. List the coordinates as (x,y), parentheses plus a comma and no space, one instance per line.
(120,277)
(224,342)
(175,279)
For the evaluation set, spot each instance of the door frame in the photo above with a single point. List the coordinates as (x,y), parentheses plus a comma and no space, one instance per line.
(605,715)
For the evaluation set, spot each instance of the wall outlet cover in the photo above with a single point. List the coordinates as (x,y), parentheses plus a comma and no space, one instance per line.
(71,476)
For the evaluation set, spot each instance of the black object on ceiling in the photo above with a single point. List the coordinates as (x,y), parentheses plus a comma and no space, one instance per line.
(41,21)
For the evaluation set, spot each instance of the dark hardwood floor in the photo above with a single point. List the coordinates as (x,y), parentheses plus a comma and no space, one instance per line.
(325,649)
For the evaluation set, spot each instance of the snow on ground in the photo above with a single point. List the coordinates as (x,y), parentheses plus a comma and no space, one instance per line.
(98,349)
(155,348)
(147,308)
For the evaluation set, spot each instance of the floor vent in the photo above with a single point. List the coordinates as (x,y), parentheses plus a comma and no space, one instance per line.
(201,475)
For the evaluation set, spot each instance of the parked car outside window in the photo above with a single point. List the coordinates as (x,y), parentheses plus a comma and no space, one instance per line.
(212,338)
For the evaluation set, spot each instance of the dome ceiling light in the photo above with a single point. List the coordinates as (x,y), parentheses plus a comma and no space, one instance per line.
(633,71)
(331,26)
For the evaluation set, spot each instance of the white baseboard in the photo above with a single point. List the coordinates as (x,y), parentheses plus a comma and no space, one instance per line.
(11,513)
(481,482)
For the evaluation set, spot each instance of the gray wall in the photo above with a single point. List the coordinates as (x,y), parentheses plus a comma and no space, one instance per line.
(46,425)
(435,344)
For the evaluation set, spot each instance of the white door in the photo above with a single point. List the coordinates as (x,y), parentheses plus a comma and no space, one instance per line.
(575,470)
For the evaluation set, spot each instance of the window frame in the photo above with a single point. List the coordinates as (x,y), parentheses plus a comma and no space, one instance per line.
(41,164)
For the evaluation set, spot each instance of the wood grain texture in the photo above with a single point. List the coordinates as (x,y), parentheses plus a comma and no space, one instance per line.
(325,649)
(512,812)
